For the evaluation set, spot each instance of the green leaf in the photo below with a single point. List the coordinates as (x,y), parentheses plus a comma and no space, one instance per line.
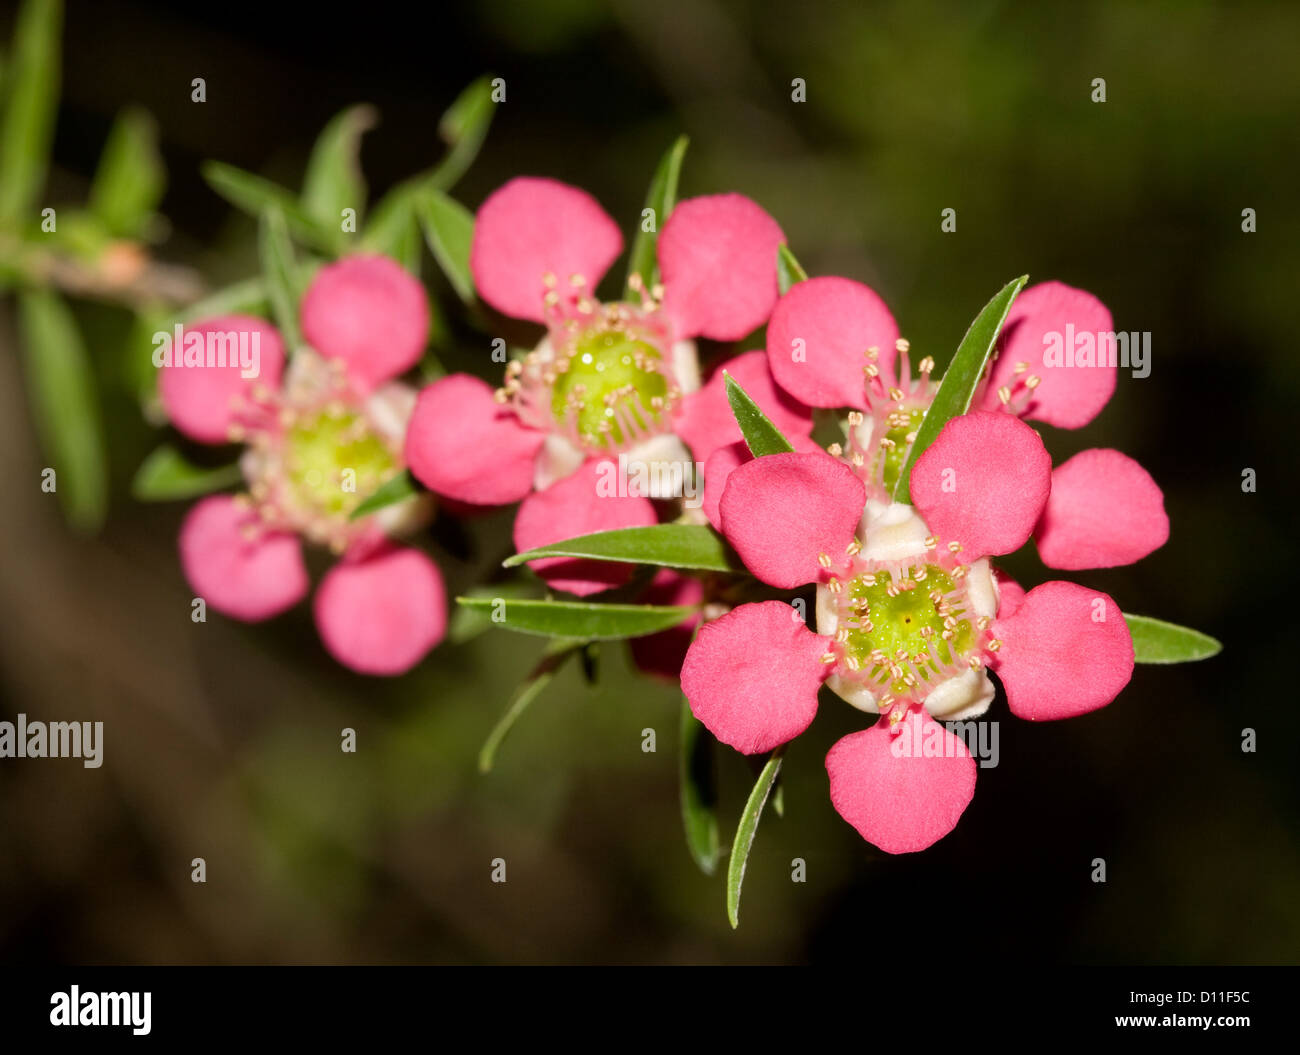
(578,619)
(788,269)
(254,195)
(745,833)
(1155,641)
(279,271)
(699,791)
(246,297)
(449,230)
(334,181)
(392,229)
(130,180)
(661,197)
(398,489)
(760,434)
(665,545)
(961,378)
(467,623)
(538,678)
(28,121)
(167,475)
(61,388)
(463,128)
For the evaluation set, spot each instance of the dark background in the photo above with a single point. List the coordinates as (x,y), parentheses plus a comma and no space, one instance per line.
(222,739)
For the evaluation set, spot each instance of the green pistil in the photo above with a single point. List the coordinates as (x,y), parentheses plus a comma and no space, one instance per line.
(908,620)
(895,456)
(609,368)
(334,462)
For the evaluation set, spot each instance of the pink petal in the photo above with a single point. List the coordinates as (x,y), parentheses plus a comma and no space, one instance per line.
(201,401)
(1069,396)
(236,566)
(752,676)
(382,614)
(585,502)
(369,312)
(530,228)
(905,791)
(837,320)
(662,654)
(782,511)
(1104,511)
(1010,593)
(717,259)
(716,472)
(1066,650)
(983,483)
(706,423)
(463,444)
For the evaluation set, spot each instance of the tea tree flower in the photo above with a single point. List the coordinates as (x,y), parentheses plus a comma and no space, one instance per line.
(321,436)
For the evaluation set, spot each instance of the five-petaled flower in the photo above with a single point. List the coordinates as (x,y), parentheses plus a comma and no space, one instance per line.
(322,435)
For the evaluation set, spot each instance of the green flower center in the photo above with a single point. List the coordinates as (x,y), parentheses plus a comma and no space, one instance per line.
(610,387)
(903,423)
(910,624)
(335,461)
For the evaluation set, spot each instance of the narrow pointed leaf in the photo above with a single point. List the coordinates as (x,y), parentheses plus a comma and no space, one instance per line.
(449,230)
(961,378)
(1155,641)
(31,98)
(532,687)
(254,194)
(699,791)
(578,619)
(468,623)
(246,297)
(398,489)
(788,269)
(463,128)
(664,545)
(661,197)
(279,271)
(334,181)
(745,831)
(130,180)
(392,229)
(167,475)
(760,434)
(64,404)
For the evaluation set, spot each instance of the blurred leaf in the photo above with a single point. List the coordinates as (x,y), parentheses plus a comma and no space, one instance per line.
(463,128)
(254,194)
(590,656)
(661,197)
(167,475)
(578,619)
(961,378)
(537,680)
(449,230)
(247,297)
(334,180)
(1155,641)
(788,269)
(61,386)
(760,434)
(27,130)
(468,622)
(279,273)
(398,489)
(665,545)
(699,791)
(745,831)
(130,180)
(392,229)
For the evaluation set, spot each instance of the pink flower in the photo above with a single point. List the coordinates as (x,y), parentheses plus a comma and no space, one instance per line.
(908,620)
(321,437)
(1104,509)
(607,379)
